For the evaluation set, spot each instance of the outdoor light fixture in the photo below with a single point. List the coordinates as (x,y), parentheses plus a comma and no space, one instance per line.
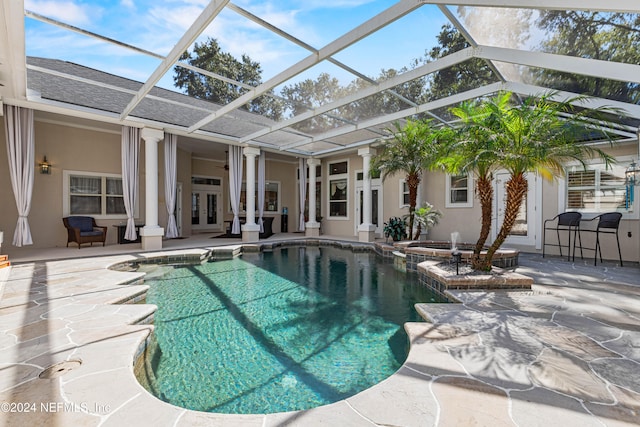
(457,258)
(631,174)
(45,167)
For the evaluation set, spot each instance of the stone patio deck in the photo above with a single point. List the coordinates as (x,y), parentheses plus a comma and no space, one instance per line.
(567,352)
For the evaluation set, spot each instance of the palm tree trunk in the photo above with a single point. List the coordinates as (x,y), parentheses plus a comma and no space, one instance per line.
(418,231)
(516,190)
(413,180)
(485,194)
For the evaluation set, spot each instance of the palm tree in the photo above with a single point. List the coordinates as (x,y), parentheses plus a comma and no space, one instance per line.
(409,149)
(473,151)
(538,135)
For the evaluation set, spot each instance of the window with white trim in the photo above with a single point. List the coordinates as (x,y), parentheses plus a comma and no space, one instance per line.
(93,194)
(338,189)
(404,194)
(597,189)
(459,190)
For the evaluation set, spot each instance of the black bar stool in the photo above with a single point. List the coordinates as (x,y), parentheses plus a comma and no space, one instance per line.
(567,221)
(608,223)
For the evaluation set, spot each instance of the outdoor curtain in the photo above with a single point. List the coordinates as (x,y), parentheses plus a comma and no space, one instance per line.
(235,185)
(19,133)
(130,156)
(303,190)
(170,159)
(261,185)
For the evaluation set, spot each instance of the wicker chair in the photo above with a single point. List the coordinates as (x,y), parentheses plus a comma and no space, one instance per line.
(83,229)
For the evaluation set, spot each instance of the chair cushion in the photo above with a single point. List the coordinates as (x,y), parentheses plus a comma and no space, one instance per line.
(84,223)
(91,233)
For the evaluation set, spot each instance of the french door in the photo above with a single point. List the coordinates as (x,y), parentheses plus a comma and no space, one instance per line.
(206,210)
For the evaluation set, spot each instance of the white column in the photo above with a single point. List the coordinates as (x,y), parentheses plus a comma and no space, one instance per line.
(366,230)
(250,230)
(151,232)
(312,228)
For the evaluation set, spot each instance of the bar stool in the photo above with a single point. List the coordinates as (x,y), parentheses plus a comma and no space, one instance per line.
(567,221)
(608,223)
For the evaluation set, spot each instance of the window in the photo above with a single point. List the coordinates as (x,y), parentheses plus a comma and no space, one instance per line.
(93,194)
(201,180)
(404,193)
(338,168)
(597,189)
(375,174)
(271,197)
(338,198)
(338,189)
(459,191)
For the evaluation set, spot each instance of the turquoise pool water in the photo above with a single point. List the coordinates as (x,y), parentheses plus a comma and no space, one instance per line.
(271,332)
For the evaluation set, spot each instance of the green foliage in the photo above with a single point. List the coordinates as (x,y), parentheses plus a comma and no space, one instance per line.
(396,228)
(460,77)
(426,217)
(224,89)
(309,94)
(409,150)
(605,36)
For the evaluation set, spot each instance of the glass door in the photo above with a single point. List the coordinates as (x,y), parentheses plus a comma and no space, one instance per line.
(206,210)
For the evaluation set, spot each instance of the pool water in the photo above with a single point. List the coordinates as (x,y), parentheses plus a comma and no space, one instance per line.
(271,332)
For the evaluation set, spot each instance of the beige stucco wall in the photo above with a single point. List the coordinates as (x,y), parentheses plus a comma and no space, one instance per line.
(464,220)
(66,148)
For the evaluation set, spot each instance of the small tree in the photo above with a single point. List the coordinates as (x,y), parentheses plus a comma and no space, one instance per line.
(426,217)
(409,149)
(538,135)
(473,151)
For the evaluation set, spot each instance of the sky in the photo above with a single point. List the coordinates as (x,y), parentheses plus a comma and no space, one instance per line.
(156,25)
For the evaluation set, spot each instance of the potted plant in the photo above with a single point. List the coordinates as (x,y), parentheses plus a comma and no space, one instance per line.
(426,217)
(396,228)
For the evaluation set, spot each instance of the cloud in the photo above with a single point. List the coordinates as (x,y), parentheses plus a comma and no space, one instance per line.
(129,4)
(66,11)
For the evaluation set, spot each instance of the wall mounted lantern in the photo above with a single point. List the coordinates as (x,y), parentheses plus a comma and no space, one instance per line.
(631,174)
(45,167)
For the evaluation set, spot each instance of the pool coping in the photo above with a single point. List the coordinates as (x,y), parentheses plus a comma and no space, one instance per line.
(70,310)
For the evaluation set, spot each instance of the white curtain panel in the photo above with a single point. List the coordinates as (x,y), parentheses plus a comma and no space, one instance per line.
(303,190)
(130,156)
(261,185)
(235,185)
(19,133)
(170,178)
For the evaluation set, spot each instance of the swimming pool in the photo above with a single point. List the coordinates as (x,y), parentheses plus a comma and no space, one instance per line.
(278,331)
